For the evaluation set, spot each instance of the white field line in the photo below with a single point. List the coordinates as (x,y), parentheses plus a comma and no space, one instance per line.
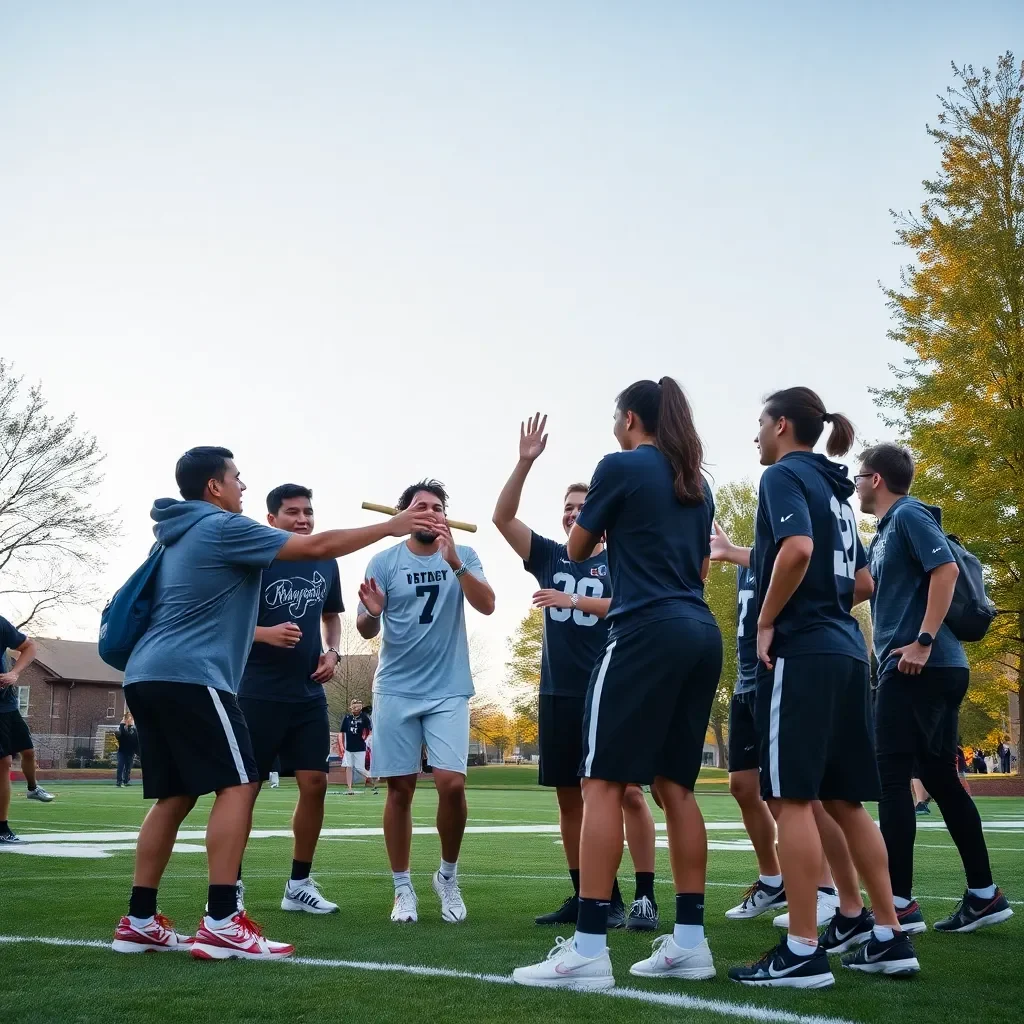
(674,1000)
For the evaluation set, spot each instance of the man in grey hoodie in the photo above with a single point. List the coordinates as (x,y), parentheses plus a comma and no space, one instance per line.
(180,684)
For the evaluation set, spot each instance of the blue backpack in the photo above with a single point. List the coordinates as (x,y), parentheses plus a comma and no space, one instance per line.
(126,616)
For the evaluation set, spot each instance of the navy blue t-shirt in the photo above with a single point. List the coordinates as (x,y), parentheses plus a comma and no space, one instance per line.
(746,628)
(806,495)
(298,592)
(10,638)
(573,639)
(352,728)
(656,545)
(907,548)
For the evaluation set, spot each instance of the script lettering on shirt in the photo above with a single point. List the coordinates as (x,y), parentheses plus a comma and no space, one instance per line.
(432,576)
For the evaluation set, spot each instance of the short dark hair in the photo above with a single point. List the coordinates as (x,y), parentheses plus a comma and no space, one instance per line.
(573,488)
(893,463)
(197,467)
(434,487)
(277,497)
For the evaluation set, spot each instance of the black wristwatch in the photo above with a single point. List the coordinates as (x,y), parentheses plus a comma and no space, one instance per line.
(925,639)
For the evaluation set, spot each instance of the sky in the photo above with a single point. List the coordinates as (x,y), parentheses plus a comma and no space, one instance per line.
(357,244)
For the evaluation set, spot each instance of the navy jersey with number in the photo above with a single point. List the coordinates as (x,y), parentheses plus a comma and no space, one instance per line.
(353,728)
(656,545)
(746,628)
(298,592)
(806,495)
(573,639)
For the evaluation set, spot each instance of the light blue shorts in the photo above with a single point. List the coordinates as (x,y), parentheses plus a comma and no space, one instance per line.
(402,726)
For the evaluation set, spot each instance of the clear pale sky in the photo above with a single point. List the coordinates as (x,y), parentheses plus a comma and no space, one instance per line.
(357,243)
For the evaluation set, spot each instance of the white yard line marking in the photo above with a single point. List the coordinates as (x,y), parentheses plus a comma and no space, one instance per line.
(675,1000)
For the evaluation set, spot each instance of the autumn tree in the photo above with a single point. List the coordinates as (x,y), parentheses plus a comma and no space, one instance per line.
(523,675)
(958,400)
(735,512)
(51,535)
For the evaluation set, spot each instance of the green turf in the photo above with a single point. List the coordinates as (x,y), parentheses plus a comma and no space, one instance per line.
(507,878)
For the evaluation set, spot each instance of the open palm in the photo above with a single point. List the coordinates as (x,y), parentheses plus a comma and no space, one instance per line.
(532,439)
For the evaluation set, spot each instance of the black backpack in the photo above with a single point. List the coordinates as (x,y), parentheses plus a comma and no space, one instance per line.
(971,612)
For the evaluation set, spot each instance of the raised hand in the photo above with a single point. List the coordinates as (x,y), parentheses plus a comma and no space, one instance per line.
(721,546)
(413,520)
(446,545)
(371,597)
(532,439)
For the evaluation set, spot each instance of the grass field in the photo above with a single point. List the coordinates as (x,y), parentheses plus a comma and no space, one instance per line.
(357,962)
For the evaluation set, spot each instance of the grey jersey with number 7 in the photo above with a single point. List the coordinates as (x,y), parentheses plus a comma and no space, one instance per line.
(424,652)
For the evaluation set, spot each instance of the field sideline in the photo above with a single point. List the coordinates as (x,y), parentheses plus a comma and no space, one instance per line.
(74,887)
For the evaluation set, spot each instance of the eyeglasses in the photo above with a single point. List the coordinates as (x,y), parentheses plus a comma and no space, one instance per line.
(863,476)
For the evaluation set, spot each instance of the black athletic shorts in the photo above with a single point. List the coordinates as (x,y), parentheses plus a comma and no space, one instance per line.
(560,722)
(14,734)
(744,751)
(192,739)
(649,702)
(298,733)
(918,715)
(813,715)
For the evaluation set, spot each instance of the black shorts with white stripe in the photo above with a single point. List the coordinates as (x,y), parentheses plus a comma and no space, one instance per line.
(192,739)
(649,702)
(813,716)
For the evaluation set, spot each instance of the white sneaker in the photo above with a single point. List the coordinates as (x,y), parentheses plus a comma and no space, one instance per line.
(827,907)
(671,961)
(305,895)
(404,910)
(453,908)
(239,938)
(757,900)
(40,794)
(275,780)
(565,968)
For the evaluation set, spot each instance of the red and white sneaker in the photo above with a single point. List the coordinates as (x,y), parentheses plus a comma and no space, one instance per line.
(241,938)
(157,936)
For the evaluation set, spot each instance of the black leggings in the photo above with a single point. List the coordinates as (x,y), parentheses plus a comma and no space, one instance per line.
(916,721)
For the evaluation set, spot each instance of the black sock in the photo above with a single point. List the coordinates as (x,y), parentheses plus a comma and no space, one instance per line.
(829,889)
(690,908)
(645,885)
(142,903)
(301,869)
(223,902)
(239,872)
(592,917)
(574,874)
(4,827)
(616,894)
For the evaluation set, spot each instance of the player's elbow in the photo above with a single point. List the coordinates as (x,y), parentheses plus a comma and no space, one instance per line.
(948,573)
(797,551)
(366,626)
(485,603)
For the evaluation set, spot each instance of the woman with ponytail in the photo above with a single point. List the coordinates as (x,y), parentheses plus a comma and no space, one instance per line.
(654,681)
(812,707)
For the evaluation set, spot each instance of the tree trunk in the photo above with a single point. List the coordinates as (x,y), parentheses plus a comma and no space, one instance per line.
(723,753)
(1020,699)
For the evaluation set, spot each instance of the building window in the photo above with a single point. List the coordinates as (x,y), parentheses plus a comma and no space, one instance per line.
(111,703)
(23,699)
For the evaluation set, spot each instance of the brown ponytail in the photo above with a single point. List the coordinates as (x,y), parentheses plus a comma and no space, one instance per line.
(806,412)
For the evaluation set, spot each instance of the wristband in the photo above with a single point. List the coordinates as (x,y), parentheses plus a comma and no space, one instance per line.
(335,652)
(460,572)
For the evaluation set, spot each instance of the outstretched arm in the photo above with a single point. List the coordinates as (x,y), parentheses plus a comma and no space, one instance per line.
(532,441)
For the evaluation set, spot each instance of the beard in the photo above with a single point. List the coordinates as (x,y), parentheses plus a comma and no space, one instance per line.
(425,538)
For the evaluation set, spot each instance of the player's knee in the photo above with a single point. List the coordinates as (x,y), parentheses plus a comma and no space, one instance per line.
(401,791)
(744,787)
(633,801)
(449,785)
(312,785)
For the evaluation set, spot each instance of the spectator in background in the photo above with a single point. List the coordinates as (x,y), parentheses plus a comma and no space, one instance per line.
(127,748)
(1004,757)
(980,767)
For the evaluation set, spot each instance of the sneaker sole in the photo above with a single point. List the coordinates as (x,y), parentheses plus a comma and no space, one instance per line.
(983,922)
(203,951)
(295,905)
(123,946)
(404,920)
(747,915)
(451,919)
(575,984)
(783,921)
(917,928)
(818,981)
(852,943)
(633,925)
(684,973)
(892,967)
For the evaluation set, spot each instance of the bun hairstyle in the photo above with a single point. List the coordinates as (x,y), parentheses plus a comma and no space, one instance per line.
(664,411)
(806,412)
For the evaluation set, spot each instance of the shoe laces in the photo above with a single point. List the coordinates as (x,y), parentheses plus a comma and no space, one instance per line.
(642,907)
(405,898)
(748,896)
(560,947)
(450,887)
(659,944)
(247,924)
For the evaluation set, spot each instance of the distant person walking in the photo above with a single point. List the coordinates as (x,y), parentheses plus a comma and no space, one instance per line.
(127,748)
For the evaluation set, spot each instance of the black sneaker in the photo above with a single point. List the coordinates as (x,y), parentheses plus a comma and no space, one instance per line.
(911,919)
(7,837)
(922,808)
(846,933)
(974,912)
(643,916)
(565,914)
(616,915)
(893,956)
(782,968)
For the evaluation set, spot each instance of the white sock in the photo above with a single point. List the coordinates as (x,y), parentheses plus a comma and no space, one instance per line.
(773,880)
(140,922)
(800,947)
(883,932)
(212,923)
(688,936)
(984,894)
(901,902)
(589,945)
(403,880)
(448,868)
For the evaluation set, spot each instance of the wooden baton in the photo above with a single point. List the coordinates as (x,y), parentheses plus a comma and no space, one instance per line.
(387,510)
